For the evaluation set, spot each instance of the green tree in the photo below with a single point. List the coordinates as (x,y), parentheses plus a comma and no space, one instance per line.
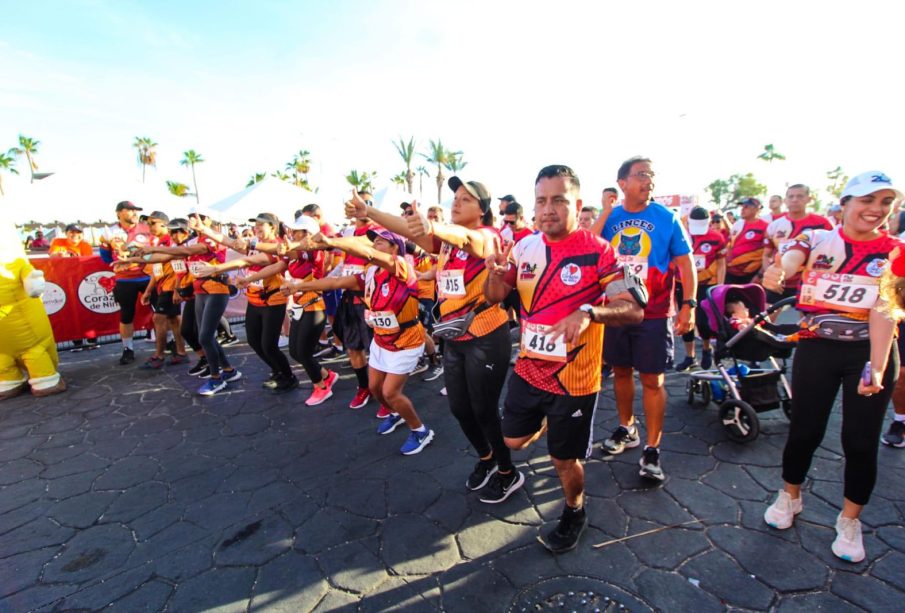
(406,151)
(256,178)
(744,186)
(838,180)
(438,155)
(399,179)
(299,167)
(7,164)
(190,158)
(455,163)
(719,189)
(147,154)
(422,172)
(282,176)
(770,154)
(362,181)
(178,189)
(29,148)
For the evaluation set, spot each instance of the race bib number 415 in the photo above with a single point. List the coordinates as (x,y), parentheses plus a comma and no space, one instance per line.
(451,283)
(837,292)
(537,343)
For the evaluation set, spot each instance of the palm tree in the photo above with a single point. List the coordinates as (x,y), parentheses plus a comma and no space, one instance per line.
(299,166)
(399,179)
(178,189)
(361,181)
(191,157)
(769,154)
(8,164)
(455,163)
(406,151)
(422,172)
(440,156)
(27,147)
(256,178)
(147,156)
(279,174)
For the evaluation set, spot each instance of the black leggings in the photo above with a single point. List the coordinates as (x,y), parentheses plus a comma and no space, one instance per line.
(475,371)
(819,368)
(209,308)
(304,335)
(189,327)
(263,325)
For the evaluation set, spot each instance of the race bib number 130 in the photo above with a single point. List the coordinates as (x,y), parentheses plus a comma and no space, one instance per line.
(836,292)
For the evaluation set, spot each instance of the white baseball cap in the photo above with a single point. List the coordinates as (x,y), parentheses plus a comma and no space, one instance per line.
(868,183)
(304,222)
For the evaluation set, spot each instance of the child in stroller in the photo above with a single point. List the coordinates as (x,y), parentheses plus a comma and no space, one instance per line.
(746,391)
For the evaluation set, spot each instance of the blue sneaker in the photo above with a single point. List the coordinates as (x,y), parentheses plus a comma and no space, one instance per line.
(417,441)
(211,387)
(389,423)
(231,375)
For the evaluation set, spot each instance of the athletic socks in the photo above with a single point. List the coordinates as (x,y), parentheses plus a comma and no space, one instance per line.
(362,375)
(127,344)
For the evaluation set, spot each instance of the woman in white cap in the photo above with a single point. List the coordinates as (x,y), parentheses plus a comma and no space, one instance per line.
(840,273)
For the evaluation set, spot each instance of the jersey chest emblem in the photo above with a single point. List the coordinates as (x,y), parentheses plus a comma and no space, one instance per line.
(570,274)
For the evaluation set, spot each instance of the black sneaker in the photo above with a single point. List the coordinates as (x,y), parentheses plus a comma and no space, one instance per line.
(128,357)
(621,439)
(284,385)
(568,531)
(421,366)
(501,486)
(895,436)
(271,382)
(685,364)
(229,341)
(706,360)
(481,474)
(650,464)
(433,373)
(198,368)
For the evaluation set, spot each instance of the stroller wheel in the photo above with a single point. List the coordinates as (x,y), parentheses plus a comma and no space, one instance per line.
(690,385)
(739,420)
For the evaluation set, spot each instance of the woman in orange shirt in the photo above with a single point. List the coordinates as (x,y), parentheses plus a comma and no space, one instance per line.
(72,246)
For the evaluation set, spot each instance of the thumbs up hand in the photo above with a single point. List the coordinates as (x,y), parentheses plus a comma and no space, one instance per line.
(418,224)
(356,207)
(774,276)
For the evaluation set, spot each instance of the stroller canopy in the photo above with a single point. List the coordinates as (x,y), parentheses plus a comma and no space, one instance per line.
(752,295)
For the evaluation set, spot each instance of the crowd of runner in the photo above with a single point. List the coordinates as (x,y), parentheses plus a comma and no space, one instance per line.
(413,294)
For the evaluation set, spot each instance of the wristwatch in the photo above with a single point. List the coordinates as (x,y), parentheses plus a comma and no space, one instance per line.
(691,302)
(589,309)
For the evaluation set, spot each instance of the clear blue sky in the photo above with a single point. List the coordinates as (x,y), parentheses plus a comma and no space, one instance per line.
(699,86)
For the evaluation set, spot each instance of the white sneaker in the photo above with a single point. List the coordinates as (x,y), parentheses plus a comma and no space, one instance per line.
(283,342)
(783,510)
(848,545)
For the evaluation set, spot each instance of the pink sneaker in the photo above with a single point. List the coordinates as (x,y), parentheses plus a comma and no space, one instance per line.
(319,395)
(361,398)
(383,412)
(331,378)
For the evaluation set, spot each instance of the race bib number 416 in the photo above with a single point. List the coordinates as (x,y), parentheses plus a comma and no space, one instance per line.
(537,343)
(837,292)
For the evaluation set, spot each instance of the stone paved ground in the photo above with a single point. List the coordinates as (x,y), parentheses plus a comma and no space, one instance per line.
(133,493)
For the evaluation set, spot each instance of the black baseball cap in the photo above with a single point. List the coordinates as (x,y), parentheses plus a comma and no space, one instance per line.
(180,223)
(508,198)
(157,215)
(266,218)
(478,190)
(125,204)
(750,202)
(74,228)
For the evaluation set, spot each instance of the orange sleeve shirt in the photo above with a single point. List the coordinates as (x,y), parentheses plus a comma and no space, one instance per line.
(707,250)
(265,292)
(392,301)
(62,246)
(747,252)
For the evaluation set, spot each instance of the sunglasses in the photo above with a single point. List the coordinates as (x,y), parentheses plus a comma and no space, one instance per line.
(511,222)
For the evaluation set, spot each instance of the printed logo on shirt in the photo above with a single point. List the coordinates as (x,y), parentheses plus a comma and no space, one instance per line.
(641,224)
(385,290)
(570,274)
(462,255)
(823,262)
(876,267)
(749,235)
(528,270)
(706,247)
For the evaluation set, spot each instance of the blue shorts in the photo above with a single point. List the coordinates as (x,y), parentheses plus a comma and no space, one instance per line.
(331,300)
(647,347)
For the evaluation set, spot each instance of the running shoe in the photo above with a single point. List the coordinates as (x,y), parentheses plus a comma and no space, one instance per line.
(417,441)
(361,398)
(783,510)
(650,464)
(331,378)
(232,375)
(271,381)
(283,342)
(127,358)
(211,387)
(390,423)
(481,474)
(848,545)
(205,374)
(328,352)
(319,395)
(564,537)
(706,360)
(383,412)
(152,363)
(198,368)
(93,344)
(421,366)
(685,364)
(177,358)
(622,438)
(895,436)
(434,372)
(285,384)
(501,486)
(229,341)
(76,347)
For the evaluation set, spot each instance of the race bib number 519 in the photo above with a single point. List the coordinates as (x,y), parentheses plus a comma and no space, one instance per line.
(636,263)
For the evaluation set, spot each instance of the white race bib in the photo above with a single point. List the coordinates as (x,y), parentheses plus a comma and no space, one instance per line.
(836,292)
(636,263)
(536,343)
(352,269)
(157,270)
(178,266)
(195,266)
(451,283)
(700,262)
(382,319)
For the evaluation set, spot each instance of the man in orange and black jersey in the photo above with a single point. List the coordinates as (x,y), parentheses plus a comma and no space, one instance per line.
(570,286)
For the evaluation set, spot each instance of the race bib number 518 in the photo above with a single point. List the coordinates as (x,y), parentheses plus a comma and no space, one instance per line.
(847,293)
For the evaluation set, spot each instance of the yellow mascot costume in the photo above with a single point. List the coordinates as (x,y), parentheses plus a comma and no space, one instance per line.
(28,352)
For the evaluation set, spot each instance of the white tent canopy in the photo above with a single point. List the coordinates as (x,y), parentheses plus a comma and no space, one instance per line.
(268,196)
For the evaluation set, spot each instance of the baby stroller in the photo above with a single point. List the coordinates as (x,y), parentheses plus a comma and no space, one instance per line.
(742,391)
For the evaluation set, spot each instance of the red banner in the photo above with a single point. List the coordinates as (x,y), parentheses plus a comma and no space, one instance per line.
(79,298)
